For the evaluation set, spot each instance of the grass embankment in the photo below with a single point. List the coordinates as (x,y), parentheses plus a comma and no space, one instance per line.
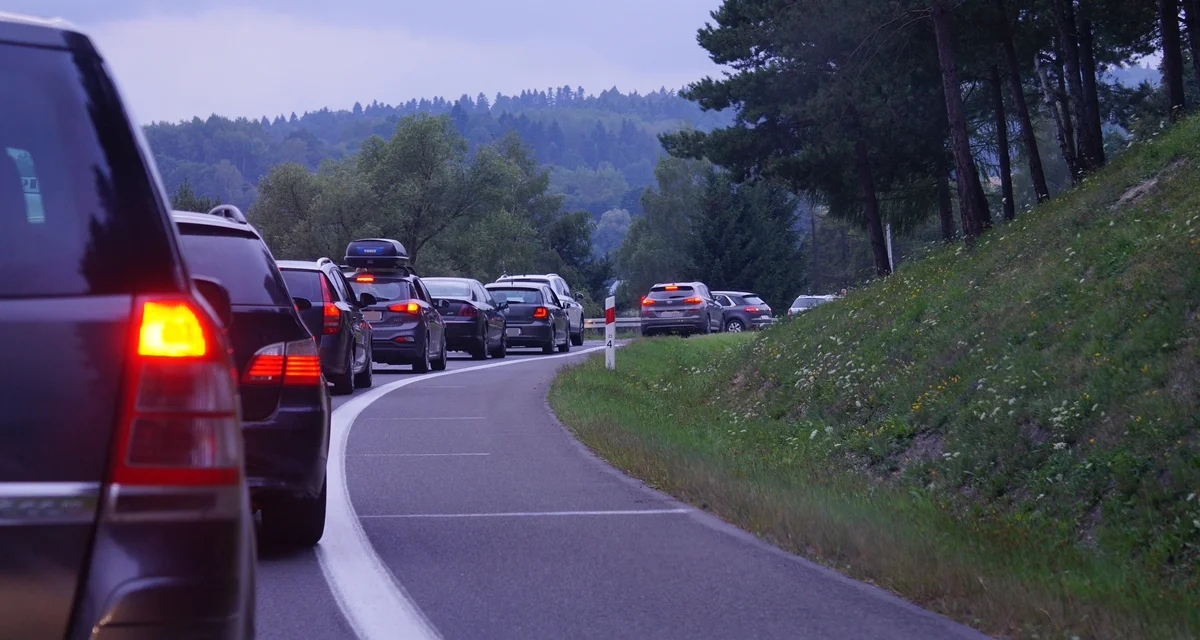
(1007,434)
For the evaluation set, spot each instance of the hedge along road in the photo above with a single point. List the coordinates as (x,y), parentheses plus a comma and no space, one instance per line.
(460,508)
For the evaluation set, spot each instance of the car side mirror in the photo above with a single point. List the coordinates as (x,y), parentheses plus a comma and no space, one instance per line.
(217,297)
(502,305)
(302,304)
(443,304)
(367,299)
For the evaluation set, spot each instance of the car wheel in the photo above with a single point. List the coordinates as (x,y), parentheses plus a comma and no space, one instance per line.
(480,352)
(549,346)
(364,380)
(502,350)
(422,365)
(735,326)
(577,338)
(440,363)
(296,521)
(343,383)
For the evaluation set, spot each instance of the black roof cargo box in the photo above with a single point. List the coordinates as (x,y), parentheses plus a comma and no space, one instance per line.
(377,253)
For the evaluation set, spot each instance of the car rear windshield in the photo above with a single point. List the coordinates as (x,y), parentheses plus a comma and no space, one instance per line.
(78,214)
(302,283)
(806,302)
(662,293)
(754,300)
(239,260)
(518,296)
(384,289)
(448,288)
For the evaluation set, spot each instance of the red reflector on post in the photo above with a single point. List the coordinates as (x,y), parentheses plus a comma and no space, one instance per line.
(610,315)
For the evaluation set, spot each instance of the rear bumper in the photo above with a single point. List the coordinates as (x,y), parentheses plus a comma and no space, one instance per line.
(537,334)
(385,348)
(462,335)
(286,454)
(694,324)
(760,323)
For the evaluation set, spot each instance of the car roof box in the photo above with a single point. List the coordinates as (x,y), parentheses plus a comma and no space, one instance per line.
(377,253)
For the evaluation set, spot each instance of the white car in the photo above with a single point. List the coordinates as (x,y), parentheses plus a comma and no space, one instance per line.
(804,303)
(573,308)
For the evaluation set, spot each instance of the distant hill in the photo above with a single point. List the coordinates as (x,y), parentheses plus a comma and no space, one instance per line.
(1135,75)
(602,148)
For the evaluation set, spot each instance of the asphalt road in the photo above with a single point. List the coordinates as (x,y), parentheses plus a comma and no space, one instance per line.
(476,515)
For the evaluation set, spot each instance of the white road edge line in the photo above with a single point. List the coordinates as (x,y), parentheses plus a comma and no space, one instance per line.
(533,514)
(413,455)
(368,594)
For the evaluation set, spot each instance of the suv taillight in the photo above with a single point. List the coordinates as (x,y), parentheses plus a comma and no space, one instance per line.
(693,300)
(647,302)
(180,423)
(296,363)
(333,315)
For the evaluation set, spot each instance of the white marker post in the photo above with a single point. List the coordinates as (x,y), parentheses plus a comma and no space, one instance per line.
(610,333)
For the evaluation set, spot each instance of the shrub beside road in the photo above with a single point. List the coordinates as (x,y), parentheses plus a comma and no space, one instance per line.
(1007,434)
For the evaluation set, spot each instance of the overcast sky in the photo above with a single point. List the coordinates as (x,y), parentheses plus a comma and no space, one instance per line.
(176,59)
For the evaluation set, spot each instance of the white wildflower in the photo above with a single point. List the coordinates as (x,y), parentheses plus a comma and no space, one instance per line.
(1059,446)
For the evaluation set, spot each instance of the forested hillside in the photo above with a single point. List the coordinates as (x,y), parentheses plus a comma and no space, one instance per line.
(602,148)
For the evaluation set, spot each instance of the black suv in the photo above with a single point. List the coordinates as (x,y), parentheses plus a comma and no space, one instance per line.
(407,326)
(285,407)
(123,506)
(334,314)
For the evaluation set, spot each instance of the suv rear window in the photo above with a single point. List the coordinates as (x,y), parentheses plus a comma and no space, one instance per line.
(518,296)
(754,300)
(302,283)
(78,214)
(384,289)
(662,293)
(448,289)
(240,261)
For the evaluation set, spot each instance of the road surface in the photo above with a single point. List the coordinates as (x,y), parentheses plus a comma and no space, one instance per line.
(469,512)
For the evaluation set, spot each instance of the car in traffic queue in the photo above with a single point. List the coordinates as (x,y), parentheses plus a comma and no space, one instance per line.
(684,308)
(406,327)
(805,302)
(335,319)
(475,321)
(535,315)
(561,289)
(742,310)
(123,503)
(284,401)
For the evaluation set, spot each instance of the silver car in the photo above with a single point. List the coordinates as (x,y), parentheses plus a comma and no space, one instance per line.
(804,303)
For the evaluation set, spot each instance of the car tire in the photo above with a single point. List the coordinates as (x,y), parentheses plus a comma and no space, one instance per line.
(440,363)
(577,338)
(735,326)
(502,350)
(423,365)
(343,383)
(566,345)
(549,346)
(296,521)
(365,378)
(480,352)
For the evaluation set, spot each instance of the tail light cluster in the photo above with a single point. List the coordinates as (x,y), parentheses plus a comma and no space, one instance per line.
(693,300)
(179,423)
(541,312)
(405,307)
(467,311)
(646,302)
(752,309)
(296,363)
(333,315)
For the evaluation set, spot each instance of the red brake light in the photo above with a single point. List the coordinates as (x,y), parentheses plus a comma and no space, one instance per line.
(467,311)
(333,315)
(405,307)
(541,312)
(751,309)
(179,423)
(365,278)
(170,329)
(693,300)
(647,302)
(291,363)
(671,287)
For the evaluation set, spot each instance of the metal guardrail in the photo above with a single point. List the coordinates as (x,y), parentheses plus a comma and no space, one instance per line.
(622,323)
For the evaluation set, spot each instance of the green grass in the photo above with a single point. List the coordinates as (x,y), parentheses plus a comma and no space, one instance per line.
(1007,434)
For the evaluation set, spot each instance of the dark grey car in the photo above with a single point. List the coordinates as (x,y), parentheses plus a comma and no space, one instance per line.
(744,310)
(680,307)
(335,319)
(123,503)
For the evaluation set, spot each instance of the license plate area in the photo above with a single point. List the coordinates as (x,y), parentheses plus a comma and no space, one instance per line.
(373,316)
(671,314)
(514,331)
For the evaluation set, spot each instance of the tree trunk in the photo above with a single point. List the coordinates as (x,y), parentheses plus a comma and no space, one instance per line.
(812,221)
(945,207)
(870,200)
(1061,130)
(1064,16)
(1091,90)
(1191,20)
(1002,147)
(1172,53)
(1064,101)
(1036,173)
(970,192)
